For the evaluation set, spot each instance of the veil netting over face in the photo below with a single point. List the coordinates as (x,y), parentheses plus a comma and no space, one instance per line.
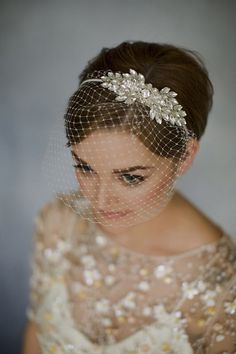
(116,156)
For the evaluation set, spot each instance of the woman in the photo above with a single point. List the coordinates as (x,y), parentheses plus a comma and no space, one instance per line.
(125,263)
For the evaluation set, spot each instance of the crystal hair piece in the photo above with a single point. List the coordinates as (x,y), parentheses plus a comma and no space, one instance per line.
(131,87)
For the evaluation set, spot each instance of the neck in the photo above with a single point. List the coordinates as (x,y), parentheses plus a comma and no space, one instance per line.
(159,225)
(179,227)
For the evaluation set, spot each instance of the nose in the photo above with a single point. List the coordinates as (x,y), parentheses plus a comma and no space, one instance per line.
(104,195)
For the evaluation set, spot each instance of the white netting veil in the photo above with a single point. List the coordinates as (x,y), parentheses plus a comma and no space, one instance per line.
(115,156)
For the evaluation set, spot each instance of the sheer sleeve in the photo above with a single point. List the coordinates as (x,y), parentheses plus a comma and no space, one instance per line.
(48,247)
(222,331)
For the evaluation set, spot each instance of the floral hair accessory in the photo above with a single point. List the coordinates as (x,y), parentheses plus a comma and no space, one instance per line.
(131,87)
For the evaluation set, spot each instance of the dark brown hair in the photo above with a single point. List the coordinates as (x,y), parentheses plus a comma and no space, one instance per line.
(178,68)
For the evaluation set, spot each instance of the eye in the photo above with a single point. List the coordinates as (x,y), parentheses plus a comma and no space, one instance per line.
(126,177)
(83,168)
(132,179)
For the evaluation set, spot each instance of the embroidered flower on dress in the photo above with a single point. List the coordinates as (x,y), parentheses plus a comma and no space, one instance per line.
(230,307)
(143,286)
(54,254)
(192,289)
(162,270)
(100,240)
(209,297)
(90,275)
(129,300)
(166,335)
(102,305)
(88,260)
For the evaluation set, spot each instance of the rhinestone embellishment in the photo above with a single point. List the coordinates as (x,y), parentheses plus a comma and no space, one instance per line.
(131,87)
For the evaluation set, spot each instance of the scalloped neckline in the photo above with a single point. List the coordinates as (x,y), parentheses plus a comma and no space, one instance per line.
(210,246)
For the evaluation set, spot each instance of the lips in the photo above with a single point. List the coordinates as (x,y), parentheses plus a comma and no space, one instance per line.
(114,214)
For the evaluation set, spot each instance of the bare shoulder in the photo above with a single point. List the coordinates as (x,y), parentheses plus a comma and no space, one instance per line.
(30,343)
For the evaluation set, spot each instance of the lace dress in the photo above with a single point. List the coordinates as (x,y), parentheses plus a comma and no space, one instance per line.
(89,294)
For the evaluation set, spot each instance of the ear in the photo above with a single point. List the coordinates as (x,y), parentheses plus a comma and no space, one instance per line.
(191,151)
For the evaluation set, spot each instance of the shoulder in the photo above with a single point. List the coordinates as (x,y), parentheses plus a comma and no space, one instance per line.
(221,333)
(197,223)
(224,266)
(55,219)
(226,249)
(53,208)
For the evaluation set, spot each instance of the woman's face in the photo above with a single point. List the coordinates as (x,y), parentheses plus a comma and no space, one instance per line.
(123,180)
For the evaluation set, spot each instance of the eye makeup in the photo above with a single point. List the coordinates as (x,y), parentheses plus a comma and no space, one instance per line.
(131,179)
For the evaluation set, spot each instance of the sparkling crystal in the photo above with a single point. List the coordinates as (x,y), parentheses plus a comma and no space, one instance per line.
(118,312)
(189,290)
(106,321)
(230,307)
(69,348)
(201,285)
(52,255)
(105,84)
(131,86)
(120,98)
(101,240)
(147,311)
(209,297)
(162,270)
(145,93)
(91,275)
(158,120)
(128,300)
(152,113)
(220,337)
(63,246)
(165,90)
(88,261)
(102,306)
(144,286)
(109,279)
(178,314)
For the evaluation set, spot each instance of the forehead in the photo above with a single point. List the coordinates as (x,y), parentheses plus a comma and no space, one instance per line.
(114,147)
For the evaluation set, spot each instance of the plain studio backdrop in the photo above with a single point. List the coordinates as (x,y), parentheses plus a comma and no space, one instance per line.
(44,46)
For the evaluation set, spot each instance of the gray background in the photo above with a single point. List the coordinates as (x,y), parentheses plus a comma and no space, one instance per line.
(44,46)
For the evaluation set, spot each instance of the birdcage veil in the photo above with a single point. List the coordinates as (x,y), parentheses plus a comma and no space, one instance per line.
(115,156)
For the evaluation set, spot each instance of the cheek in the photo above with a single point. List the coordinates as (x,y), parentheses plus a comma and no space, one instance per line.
(157,193)
(150,197)
(153,195)
(86,187)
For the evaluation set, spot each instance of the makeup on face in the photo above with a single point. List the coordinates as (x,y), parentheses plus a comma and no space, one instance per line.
(123,173)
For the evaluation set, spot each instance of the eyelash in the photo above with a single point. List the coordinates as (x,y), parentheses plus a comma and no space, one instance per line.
(137,177)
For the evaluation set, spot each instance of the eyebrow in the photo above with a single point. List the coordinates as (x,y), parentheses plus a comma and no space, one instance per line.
(124,170)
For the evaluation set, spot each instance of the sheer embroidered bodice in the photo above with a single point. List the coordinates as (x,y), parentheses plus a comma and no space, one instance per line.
(89,294)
